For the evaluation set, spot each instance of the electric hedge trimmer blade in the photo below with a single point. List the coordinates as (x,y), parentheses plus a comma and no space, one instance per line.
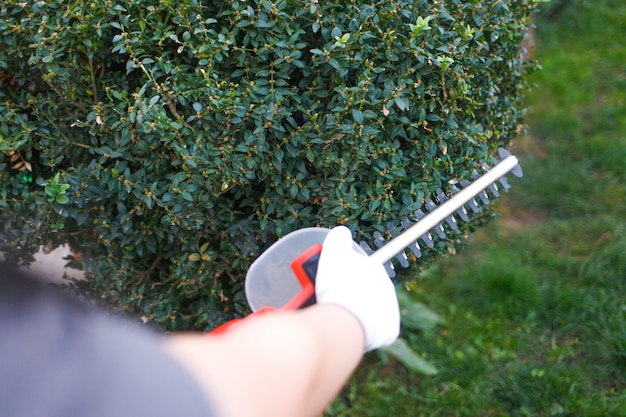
(284,275)
(429,226)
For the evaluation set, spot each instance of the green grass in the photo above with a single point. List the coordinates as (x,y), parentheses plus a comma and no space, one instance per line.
(535,308)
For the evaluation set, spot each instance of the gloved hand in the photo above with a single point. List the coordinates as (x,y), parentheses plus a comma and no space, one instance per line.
(360,285)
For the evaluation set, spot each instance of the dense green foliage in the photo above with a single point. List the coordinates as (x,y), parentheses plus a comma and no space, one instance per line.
(534,312)
(171,142)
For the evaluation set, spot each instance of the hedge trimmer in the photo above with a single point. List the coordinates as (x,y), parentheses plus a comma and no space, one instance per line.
(283,277)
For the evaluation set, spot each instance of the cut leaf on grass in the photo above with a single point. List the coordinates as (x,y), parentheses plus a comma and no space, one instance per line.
(407,356)
(416,315)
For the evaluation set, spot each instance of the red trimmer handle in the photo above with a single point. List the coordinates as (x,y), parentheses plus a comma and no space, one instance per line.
(305,268)
(231,324)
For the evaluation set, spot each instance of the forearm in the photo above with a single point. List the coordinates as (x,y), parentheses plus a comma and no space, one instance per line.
(280,364)
(339,353)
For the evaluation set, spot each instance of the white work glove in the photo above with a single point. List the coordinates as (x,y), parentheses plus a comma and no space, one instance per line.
(360,285)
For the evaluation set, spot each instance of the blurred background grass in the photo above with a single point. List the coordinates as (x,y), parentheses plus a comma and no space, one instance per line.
(535,309)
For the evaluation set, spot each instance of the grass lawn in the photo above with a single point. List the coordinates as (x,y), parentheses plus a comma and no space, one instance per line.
(534,309)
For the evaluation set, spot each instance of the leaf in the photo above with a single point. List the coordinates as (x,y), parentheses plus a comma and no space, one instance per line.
(130,65)
(401,103)
(407,356)
(452,123)
(204,247)
(416,315)
(357,116)
(334,63)
(194,257)
(62,199)
(293,191)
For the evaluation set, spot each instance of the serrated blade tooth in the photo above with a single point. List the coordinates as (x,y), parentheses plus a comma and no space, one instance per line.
(442,198)
(462,214)
(517,171)
(474,206)
(472,203)
(415,250)
(366,248)
(414,247)
(452,222)
(430,206)
(440,231)
(379,240)
(503,153)
(505,184)
(427,238)
(393,230)
(461,211)
(403,259)
(484,197)
(494,190)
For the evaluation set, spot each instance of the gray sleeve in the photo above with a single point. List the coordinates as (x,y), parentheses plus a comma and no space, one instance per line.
(58,358)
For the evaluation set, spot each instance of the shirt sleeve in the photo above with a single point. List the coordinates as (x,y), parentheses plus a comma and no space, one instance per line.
(60,358)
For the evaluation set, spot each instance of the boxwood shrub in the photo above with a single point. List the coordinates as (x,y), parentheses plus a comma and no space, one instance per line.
(170,142)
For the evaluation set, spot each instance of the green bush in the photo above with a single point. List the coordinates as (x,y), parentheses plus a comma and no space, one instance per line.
(171,142)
